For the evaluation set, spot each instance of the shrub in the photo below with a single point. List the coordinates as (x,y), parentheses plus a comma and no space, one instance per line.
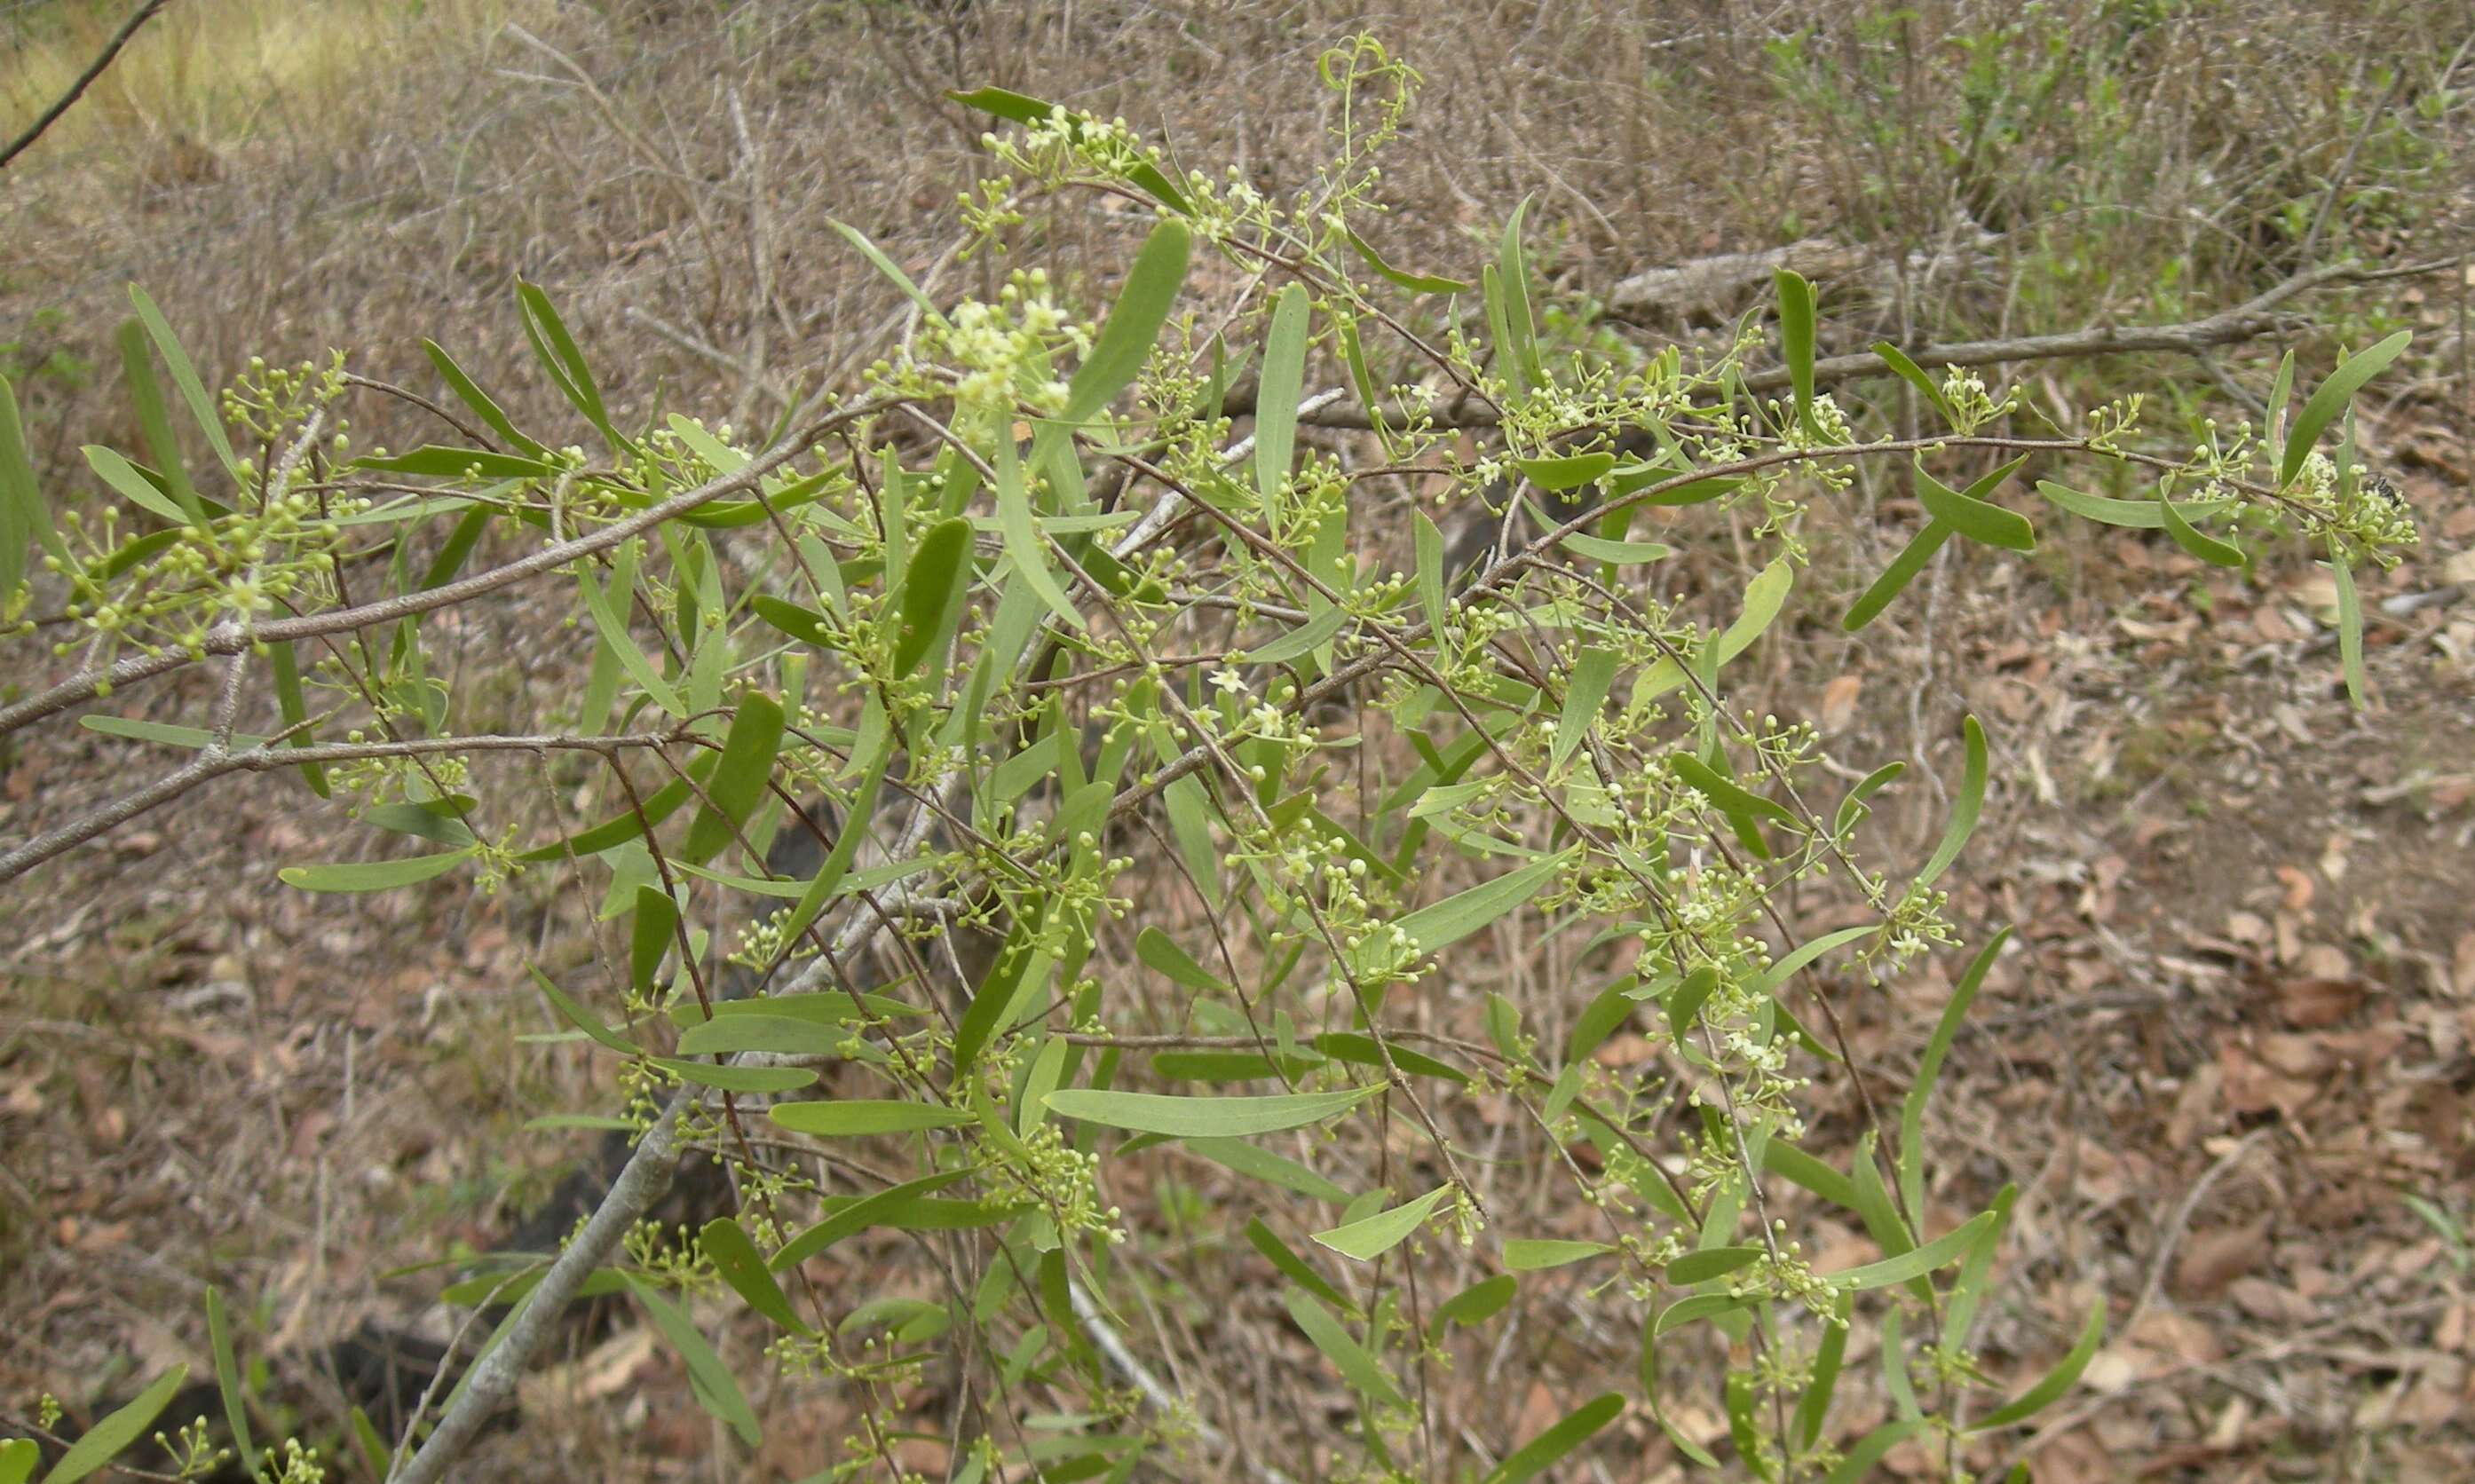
(1237,771)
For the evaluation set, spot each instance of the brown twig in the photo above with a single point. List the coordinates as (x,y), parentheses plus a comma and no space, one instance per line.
(85,80)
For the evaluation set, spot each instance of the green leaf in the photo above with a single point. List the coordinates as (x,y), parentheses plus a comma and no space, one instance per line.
(1545,1450)
(613,631)
(1414,282)
(106,1440)
(1859,1460)
(1724,794)
(2144,515)
(1592,675)
(1276,394)
(1569,472)
(579,1016)
(651,937)
(739,779)
(1160,954)
(892,1206)
(1764,597)
(1779,972)
(557,351)
(1537,1254)
(1444,923)
(18,1457)
(1914,1263)
(1258,1163)
(2208,549)
(227,1379)
(185,377)
(624,827)
(1902,571)
(2331,400)
(1796,335)
(1912,1112)
(1429,543)
(2280,392)
(435,461)
(1149,1112)
(1373,1237)
(1364,1373)
(886,265)
(1291,1265)
(1621,552)
(133,486)
(930,588)
(1911,372)
(1021,109)
(1814,1405)
(726,1245)
(1784,1159)
(1700,1267)
(2051,1387)
(715,1389)
(1300,642)
(1700,1306)
(1475,1304)
(294,707)
(848,1117)
(23,515)
(1022,542)
(2350,626)
(1125,342)
(723,1078)
(371,875)
(1965,811)
(785,1036)
(468,392)
(1971,515)
(1521,343)
(155,423)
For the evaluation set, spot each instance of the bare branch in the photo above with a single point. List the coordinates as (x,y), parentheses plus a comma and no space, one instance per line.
(85,80)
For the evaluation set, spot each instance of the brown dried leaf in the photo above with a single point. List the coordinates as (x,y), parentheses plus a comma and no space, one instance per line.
(2214,1259)
(2310,1003)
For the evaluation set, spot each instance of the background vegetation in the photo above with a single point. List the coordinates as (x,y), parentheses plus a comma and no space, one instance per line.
(2228,1071)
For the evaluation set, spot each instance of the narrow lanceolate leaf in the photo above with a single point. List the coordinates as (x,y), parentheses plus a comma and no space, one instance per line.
(845,1117)
(1160,953)
(134,487)
(1941,1252)
(1276,394)
(739,779)
(1569,472)
(1764,597)
(1795,333)
(469,392)
(651,937)
(106,1440)
(1586,691)
(1620,553)
(18,1457)
(155,423)
(23,515)
(931,590)
(2055,1382)
(1022,541)
(1712,1262)
(1512,265)
(1414,282)
(892,1206)
(1258,1163)
(2208,549)
(715,1389)
(1549,1448)
(1972,516)
(2331,400)
(2350,626)
(885,265)
(1150,1112)
(228,1378)
(1911,372)
(2144,515)
(1723,794)
(185,377)
(725,1078)
(1133,325)
(1912,1112)
(371,875)
(1364,1373)
(1456,918)
(1896,577)
(1475,1304)
(1429,544)
(1964,811)
(557,351)
(1869,1450)
(1536,1254)
(612,628)
(726,1245)
(1289,1265)
(293,704)
(1373,1237)
(579,1016)
(2281,391)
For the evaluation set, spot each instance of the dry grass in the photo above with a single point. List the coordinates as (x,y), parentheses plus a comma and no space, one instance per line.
(286,177)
